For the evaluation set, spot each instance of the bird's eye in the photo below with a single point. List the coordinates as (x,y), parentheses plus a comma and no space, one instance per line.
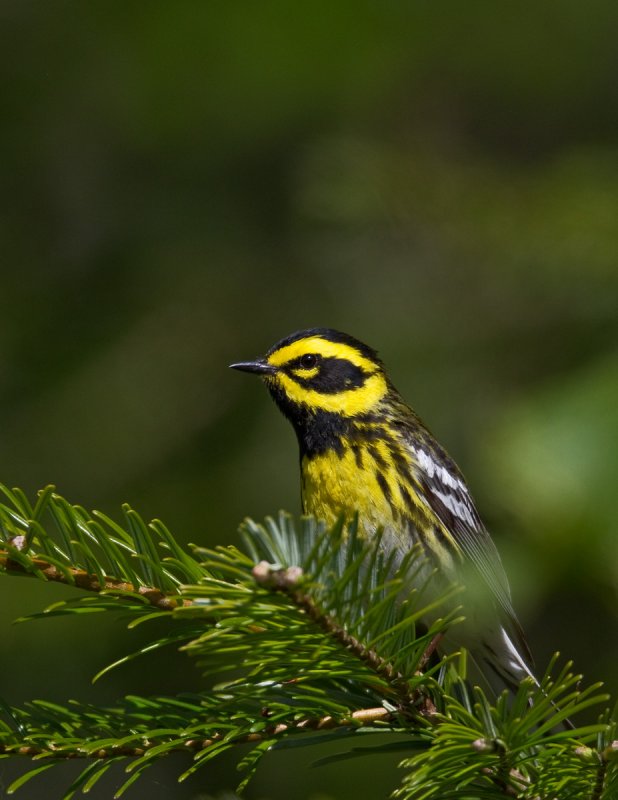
(308,361)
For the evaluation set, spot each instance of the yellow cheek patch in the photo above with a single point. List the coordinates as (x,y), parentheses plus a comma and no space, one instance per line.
(307,374)
(323,347)
(348,403)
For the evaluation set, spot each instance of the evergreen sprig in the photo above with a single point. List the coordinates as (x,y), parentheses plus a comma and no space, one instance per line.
(318,633)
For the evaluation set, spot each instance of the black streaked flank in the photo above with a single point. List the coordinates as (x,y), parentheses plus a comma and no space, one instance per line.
(358,455)
(407,499)
(369,418)
(386,489)
(401,464)
(373,433)
(377,456)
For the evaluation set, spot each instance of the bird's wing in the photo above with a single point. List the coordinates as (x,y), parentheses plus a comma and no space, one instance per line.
(442,489)
(446,495)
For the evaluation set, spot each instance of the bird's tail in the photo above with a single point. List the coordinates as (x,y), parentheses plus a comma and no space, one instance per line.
(509,661)
(512,667)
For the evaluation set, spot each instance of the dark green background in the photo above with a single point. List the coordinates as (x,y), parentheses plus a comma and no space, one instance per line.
(183,183)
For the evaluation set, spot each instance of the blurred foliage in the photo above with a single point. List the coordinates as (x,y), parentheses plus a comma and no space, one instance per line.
(183,184)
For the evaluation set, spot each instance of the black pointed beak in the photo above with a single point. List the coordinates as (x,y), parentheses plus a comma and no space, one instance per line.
(259,367)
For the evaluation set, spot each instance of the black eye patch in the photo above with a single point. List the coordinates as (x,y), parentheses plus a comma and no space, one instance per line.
(335,375)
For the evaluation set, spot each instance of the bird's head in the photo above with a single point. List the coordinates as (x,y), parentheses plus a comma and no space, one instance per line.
(321,370)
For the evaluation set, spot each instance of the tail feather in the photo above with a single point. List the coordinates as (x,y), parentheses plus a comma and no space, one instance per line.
(512,666)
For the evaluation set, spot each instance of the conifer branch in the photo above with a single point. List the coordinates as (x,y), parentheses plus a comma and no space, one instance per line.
(320,630)
(72,576)
(287,580)
(361,717)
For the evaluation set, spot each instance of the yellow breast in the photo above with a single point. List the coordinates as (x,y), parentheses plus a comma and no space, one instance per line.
(354,482)
(375,481)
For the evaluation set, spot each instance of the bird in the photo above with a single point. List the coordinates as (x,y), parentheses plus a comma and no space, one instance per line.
(365,451)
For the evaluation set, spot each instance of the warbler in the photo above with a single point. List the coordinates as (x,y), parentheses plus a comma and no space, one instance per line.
(364,450)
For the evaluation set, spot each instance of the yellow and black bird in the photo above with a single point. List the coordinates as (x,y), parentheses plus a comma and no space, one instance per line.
(364,450)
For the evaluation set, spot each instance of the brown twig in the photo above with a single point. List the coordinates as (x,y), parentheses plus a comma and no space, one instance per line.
(84,580)
(364,716)
(429,651)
